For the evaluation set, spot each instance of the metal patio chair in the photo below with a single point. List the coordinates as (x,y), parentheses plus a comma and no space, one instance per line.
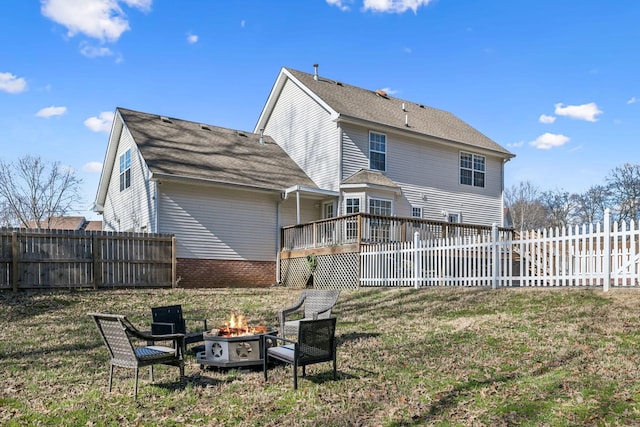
(121,339)
(169,320)
(312,304)
(316,343)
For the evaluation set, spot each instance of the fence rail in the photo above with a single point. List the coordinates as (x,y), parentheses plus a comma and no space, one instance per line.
(603,255)
(53,259)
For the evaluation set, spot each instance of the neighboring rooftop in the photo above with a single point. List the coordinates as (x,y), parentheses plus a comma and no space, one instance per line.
(66,223)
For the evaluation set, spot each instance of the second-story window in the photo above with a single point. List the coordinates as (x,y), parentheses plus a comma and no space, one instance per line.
(377,151)
(125,170)
(416,212)
(472,169)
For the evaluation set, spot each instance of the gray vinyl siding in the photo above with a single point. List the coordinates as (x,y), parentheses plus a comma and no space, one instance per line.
(304,129)
(428,174)
(132,209)
(219,223)
(309,211)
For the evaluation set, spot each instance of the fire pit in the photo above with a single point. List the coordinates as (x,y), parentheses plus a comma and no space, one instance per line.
(234,344)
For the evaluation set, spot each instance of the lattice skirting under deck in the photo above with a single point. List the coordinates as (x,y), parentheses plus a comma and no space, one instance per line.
(334,271)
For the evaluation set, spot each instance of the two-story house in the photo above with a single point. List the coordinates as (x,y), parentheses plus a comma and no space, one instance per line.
(320,149)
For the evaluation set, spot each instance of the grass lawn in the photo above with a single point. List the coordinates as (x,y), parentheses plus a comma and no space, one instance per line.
(448,357)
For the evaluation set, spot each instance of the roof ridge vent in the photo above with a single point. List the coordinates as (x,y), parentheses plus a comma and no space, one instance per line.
(165,119)
(382,93)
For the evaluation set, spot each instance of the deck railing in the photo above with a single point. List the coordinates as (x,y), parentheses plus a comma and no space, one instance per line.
(365,228)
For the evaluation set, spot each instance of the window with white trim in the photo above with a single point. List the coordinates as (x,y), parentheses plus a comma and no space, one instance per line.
(416,212)
(377,151)
(380,227)
(125,170)
(380,207)
(328,210)
(352,205)
(472,169)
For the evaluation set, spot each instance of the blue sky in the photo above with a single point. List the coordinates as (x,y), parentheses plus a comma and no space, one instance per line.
(556,82)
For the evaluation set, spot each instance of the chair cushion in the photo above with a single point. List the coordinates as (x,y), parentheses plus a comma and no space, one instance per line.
(283,352)
(154,352)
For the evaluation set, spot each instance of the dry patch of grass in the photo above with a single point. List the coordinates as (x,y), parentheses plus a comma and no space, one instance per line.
(456,356)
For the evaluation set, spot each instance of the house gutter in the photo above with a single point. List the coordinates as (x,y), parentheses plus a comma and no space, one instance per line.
(159,177)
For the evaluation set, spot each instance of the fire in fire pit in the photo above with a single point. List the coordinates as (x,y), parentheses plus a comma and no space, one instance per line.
(234,344)
(237,327)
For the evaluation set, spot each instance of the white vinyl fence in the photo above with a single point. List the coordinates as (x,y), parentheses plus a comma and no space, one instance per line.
(600,255)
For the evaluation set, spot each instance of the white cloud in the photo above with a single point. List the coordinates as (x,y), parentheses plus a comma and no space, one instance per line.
(547,141)
(102,123)
(51,111)
(101,19)
(389,91)
(586,112)
(632,100)
(394,6)
(94,51)
(546,119)
(340,4)
(243,23)
(92,167)
(12,84)
(516,144)
(192,38)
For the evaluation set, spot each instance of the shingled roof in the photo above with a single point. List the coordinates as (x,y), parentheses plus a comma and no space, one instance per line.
(377,107)
(184,149)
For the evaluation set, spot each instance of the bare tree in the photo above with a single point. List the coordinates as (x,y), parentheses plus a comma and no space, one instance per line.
(623,184)
(559,206)
(526,210)
(591,204)
(36,190)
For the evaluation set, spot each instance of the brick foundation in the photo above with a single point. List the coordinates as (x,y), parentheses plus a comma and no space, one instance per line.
(217,273)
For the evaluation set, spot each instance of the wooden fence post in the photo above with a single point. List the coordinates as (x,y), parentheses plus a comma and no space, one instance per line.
(14,261)
(96,255)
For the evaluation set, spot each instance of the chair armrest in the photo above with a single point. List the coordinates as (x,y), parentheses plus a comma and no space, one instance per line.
(282,314)
(320,311)
(278,338)
(156,327)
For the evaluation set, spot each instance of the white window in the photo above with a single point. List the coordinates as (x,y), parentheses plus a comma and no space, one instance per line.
(328,211)
(472,169)
(380,227)
(352,205)
(380,207)
(416,212)
(125,170)
(454,217)
(377,151)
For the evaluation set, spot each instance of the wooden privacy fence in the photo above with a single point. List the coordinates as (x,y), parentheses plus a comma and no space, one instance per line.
(54,259)
(604,255)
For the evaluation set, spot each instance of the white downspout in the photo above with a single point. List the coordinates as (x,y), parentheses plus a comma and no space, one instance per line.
(298,207)
(278,241)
